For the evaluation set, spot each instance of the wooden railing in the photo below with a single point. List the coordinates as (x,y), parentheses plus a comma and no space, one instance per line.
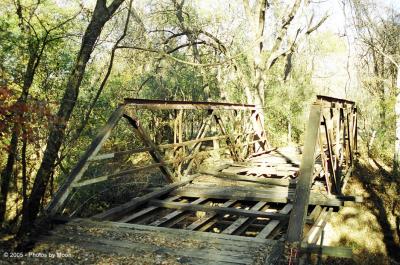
(234,130)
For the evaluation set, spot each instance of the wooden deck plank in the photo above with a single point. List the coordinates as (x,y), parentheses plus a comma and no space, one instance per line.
(200,222)
(273,181)
(315,232)
(126,247)
(267,230)
(178,232)
(122,209)
(220,210)
(252,194)
(175,214)
(215,243)
(242,220)
(143,212)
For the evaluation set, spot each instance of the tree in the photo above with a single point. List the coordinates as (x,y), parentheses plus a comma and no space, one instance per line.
(36,37)
(101,14)
(378,30)
(283,44)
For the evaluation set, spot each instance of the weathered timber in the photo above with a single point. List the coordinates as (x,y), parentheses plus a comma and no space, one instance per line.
(340,252)
(267,230)
(251,194)
(279,182)
(177,232)
(302,194)
(346,177)
(145,211)
(315,232)
(335,100)
(220,210)
(61,196)
(175,214)
(315,213)
(331,167)
(202,221)
(122,209)
(242,220)
(126,247)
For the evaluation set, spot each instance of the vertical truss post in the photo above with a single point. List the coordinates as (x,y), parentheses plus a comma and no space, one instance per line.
(229,142)
(60,198)
(355,132)
(331,165)
(259,132)
(302,193)
(196,148)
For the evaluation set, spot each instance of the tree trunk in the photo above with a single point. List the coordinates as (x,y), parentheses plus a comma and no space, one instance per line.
(6,173)
(100,16)
(396,160)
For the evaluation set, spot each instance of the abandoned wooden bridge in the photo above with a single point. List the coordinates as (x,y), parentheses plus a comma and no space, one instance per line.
(232,198)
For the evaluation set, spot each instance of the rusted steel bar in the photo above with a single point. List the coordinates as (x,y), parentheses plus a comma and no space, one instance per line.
(229,141)
(124,173)
(331,167)
(338,100)
(60,198)
(196,148)
(179,104)
(116,155)
(155,152)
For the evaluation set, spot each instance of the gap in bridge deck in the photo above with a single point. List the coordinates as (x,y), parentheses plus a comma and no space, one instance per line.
(209,221)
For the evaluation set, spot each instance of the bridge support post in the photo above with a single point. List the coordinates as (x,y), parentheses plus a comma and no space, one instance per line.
(302,193)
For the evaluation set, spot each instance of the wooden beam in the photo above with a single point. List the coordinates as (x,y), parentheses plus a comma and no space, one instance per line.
(267,195)
(219,210)
(145,211)
(175,214)
(267,230)
(315,231)
(303,187)
(339,252)
(315,213)
(61,196)
(242,220)
(122,209)
(279,182)
(332,170)
(200,222)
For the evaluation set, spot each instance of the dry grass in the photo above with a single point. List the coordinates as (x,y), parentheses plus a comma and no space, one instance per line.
(369,228)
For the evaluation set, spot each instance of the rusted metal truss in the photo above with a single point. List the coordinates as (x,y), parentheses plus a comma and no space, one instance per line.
(225,177)
(228,126)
